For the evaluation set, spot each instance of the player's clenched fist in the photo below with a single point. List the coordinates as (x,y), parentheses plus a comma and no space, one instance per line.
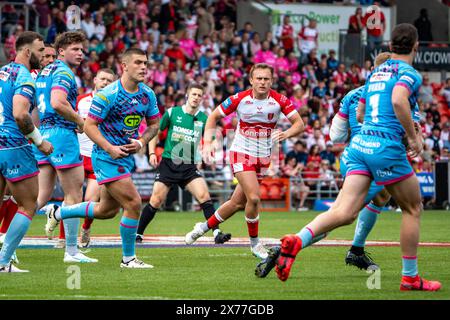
(46,147)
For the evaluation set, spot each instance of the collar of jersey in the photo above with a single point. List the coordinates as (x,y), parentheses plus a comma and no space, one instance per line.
(183,107)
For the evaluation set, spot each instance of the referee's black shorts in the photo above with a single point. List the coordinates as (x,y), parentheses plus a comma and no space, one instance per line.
(170,173)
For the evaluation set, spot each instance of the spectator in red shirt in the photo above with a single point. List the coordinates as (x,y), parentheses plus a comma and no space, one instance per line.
(375,22)
(286,34)
(355,23)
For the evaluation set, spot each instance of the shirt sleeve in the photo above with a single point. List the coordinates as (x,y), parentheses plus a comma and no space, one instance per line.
(152,110)
(25,86)
(343,108)
(230,105)
(287,108)
(410,80)
(100,107)
(62,80)
(165,121)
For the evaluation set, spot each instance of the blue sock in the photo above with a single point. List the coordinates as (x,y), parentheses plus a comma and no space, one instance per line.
(307,236)
(79,210)
(16,231)
(71,229)
(128,227)
(410,268)
(366,220)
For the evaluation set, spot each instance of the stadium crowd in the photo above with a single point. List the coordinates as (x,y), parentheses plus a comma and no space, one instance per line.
(199,40)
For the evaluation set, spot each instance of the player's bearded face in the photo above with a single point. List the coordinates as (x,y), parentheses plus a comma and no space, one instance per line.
(35,61)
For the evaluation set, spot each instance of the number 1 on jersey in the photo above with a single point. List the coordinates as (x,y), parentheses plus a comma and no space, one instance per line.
(374,102)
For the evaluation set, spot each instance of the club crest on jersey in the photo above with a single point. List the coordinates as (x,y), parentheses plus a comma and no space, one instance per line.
(144,100)
(4,75)
(132,120)
(270,116)
(121,169)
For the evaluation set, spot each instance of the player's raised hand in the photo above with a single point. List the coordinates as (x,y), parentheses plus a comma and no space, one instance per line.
(117,152)
(46,147)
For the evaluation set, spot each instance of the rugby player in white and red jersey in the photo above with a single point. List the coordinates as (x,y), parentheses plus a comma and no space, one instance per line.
(48,57)
(258,111)
(103,78)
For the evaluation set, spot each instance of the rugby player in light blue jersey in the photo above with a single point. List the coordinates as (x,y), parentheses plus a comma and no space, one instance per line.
(113,122)
(18,167)
(56,95)
(378,153)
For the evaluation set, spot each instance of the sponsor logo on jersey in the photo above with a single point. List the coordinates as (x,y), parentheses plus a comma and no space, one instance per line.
(41,85)
(248,102)
(226,103)
(4,75)
(45,72)
(380,76)
(132,120)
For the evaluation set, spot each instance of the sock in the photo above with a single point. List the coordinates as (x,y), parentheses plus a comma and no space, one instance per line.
(254,241)
(366,220)
(3,210)
(214,221)
(319,237)
(216,231)
(307,236)
(11,209)
(79,210)
(128,228)
(252,226)
(410,268)
(208,212)
(71,226)
(62,232)
(147,215)
(87,223)
(17,231)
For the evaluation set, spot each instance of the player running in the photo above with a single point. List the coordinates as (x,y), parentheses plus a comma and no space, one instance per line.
(377,197)
(56,99)
(258,110)
(18,167)
(112,124)
(179,161)
(378,153)
(9,207)
(103,78)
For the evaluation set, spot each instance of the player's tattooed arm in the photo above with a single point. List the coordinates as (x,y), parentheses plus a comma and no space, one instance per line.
(21,106)
(151,131)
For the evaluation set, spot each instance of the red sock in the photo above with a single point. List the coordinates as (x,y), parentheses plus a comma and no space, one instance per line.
(3,210)
(11,209)
(214,220)
(87,223)
(62,233)
(252,225)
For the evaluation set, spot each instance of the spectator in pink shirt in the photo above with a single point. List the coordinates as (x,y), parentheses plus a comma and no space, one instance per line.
(265,55)
(281,62)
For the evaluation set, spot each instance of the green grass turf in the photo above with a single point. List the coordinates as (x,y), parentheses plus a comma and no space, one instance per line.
(228,273)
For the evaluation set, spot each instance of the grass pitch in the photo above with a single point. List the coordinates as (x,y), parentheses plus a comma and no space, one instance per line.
(227,273)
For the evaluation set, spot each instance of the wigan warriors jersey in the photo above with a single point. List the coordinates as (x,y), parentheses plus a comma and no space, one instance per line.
(83,105)
(256,120)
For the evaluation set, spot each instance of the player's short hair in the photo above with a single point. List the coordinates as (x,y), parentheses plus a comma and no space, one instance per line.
(27,38)
(65,39)
(195,85)
(106,70)
(381,58)
(130,51)
(49,45)
(261,66)
(403,38)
